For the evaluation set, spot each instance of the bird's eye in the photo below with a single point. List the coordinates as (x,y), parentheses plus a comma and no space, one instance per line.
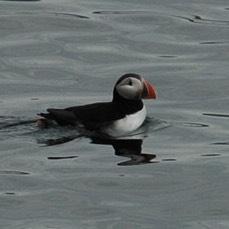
(130,83)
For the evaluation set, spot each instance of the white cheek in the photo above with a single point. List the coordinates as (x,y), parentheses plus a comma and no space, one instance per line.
(128,92)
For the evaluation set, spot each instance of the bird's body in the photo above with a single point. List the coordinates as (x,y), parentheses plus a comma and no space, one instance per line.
(124,114)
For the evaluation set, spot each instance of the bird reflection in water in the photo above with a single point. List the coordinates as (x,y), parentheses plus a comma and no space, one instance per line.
(130,148)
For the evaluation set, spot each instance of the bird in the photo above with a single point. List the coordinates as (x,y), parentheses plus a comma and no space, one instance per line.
(119,117)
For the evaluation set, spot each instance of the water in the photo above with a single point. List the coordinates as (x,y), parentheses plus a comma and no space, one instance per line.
(65,53)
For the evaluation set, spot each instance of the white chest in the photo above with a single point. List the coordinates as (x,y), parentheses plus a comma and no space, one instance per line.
(127,124)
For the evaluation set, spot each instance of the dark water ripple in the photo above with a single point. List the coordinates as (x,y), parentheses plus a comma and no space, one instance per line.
(62,158)
(221,143)
(217,115)
(214,42)
(13,172)
(195,124)
(169,159)
(200,20)
(119,12)
(47,13)
(72,15)
(9,193)
(211,155)
(193,19)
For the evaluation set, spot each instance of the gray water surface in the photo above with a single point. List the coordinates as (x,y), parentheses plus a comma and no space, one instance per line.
(64,53)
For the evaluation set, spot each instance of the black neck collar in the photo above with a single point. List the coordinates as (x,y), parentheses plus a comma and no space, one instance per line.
(126,106)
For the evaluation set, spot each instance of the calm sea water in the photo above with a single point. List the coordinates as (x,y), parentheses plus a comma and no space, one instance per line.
(63,53)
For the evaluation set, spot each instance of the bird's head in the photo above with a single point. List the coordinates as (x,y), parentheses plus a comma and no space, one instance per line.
(134,87)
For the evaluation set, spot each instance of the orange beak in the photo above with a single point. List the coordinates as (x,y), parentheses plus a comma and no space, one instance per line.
(149,91)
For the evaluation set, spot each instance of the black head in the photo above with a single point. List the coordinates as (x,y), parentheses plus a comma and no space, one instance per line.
(132,86)
(129,91)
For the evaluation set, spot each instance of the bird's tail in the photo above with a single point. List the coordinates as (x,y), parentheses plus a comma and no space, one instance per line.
(46,115)
(61,116)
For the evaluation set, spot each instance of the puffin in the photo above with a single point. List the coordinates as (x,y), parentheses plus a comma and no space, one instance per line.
(119,117)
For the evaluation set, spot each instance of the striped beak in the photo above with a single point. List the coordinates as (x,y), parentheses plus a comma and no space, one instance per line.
(149,90)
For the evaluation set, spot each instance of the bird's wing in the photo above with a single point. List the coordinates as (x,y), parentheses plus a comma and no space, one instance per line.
(93,116)
(96,115)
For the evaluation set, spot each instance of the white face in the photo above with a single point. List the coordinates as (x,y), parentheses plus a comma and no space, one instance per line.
(130,88)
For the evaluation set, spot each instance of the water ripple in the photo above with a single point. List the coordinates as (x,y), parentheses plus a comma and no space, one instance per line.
(13,172)
(217,115)
(200,20)
(221,143)
(62,157)
(211,155)
(72,14)
(121,12)
(195,124)
(213,42)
